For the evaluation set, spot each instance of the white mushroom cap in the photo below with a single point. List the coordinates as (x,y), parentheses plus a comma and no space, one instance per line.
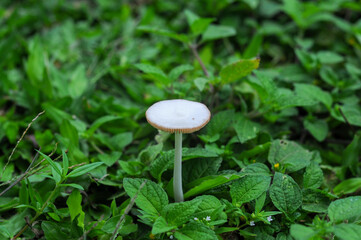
(178,115)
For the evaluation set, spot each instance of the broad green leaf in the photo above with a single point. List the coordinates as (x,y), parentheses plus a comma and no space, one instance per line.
(198,25)
(285,193)
(160,226)
(198,168)
(313,176)
(239,69)
(84,169)
(110,159)
(345,209)
(216,32)
(328,57)
(318,128)
(14,224)
(200,83)
(314,201)
(314,93)
(209,183)
(300,232)
(179,70)
(121,140)
(179,37)
(352,153)
(248,188)
(245,128)
(289,154)
(348,231)
(154,72)
(256,169)
(151,198)
(347,186)
(161,164)
(54,231)
(68,131)
(78,82)
(220,122)
(74,203)
(99,122)
(195,231)
(351,112)
(180,213)
(150,153)
(208,207)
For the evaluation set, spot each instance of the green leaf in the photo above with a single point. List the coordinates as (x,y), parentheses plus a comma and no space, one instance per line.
(55,167)
(318,128)
(200,83)
(198,25)
(313,176)
(347,231)
(195,231)
(300,232)
(248,188)
(74,204)
(161,164)
(65,163)
(347,186)
(110,159)
(345,209)
(160,226)
(208,207)
(179,37)
(289,154)
(237,70)
(154,72)
(209,182)
(73,185)
(245,128)
(99,122)
(54,231)
(352,153)
(68,131)
(179,70)
(285,193)
(216,32)
(314,93)
(328,57)
(84,169)
(177,214)
(253,48)
(78,82)
(151,198)
(220,122)
(314,201)
(35,64)
(198,168)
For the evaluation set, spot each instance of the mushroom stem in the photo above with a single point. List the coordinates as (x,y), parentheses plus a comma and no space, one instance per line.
(177,176)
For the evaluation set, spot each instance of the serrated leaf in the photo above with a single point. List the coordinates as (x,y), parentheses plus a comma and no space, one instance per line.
(289,154)
(313,176)
(84,169)
(237,70)
(199,168)
(348,231)
(220,122)
(160,226)
(216,32)
(313,92)
(285,193)
(314,201)
(208,207)
(151,198)
(300,232)
(248,188)
(345,209)
(195,231)
(177,214)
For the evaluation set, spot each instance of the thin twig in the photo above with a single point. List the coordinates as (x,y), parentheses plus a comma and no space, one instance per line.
(347,122)
(21,138)
(130,205)
(196,55)
(22,176)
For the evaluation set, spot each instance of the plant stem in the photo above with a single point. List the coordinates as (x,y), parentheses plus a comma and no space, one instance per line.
(37,214)
(177,175)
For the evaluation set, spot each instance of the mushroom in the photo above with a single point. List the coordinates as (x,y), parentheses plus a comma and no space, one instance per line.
(178,116)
